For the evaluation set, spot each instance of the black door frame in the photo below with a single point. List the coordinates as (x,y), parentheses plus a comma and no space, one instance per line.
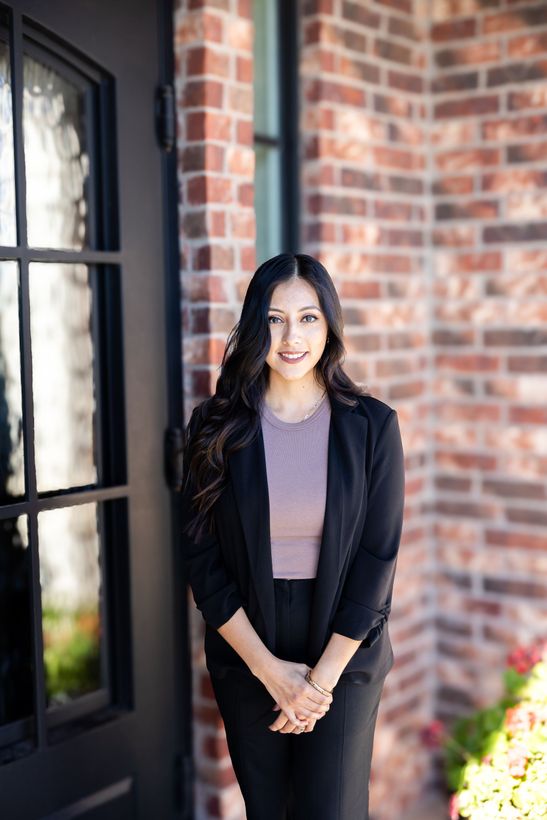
(183,764)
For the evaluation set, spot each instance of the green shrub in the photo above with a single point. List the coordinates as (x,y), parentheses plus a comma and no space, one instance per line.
(495,760)
(71,652)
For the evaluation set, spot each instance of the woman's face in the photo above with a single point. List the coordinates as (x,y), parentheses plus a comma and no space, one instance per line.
(298,326)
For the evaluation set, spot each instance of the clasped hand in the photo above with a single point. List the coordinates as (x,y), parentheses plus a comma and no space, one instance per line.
(299,703)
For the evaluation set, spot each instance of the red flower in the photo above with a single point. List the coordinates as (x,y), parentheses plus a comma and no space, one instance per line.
(523,658)
(432,735)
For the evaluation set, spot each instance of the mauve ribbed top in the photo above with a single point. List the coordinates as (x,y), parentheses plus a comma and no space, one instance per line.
(296,465)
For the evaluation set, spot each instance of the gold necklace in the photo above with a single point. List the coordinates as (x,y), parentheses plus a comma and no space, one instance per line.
(313,408)
(308,414)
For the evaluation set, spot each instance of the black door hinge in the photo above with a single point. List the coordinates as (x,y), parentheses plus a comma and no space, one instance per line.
(184,785)
(172,458)
(166,117)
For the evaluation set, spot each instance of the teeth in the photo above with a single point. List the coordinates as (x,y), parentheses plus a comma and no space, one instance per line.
(292,355)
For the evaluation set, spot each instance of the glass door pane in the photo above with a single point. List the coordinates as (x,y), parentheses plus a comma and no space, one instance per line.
(267,201)
(7,178)
(56,158)
(70,579)
(16,662)
(11,416)
(265,66)
(63,376)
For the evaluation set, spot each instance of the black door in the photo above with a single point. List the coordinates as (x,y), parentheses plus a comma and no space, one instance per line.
(92,707)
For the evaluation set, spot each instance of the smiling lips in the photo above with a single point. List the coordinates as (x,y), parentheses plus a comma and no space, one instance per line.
(290,358)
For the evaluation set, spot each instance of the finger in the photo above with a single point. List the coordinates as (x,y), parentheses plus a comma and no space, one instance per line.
(286,722)
(289,727)
(315,713)
(324,709)
(278,723)
(316,716)
(297,730)
(317,698)
(277,727)
(310,726)
(291,715)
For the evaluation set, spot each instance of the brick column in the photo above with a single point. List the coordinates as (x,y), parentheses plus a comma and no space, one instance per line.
(365,214)
(490,267)
(213,49)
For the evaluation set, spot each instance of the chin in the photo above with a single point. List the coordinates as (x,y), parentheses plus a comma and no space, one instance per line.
(293,374)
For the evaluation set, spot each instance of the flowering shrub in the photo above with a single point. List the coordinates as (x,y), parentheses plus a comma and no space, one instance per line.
(495,760)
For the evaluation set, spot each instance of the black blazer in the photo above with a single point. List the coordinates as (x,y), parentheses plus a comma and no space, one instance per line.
(359,546)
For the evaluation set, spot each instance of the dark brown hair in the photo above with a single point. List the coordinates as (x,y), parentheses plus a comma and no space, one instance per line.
(229,420)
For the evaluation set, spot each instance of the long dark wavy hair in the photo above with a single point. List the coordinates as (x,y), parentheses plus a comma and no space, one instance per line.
(229,419)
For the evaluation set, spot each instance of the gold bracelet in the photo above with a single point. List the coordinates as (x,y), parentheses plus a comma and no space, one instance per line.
(316,685)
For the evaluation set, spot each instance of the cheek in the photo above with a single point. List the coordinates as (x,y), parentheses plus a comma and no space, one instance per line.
(274,343)
(319,336)
(273,337)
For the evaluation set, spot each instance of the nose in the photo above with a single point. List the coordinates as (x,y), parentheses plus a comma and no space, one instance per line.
(291,334)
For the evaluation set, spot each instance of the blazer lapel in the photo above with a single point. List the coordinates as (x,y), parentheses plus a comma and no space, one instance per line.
(250,487)
(344,498)
(346,494)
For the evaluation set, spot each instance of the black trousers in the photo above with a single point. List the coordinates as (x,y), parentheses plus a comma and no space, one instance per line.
(323,774)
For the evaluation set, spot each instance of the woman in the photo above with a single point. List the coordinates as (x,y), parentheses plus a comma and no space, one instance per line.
(292,516)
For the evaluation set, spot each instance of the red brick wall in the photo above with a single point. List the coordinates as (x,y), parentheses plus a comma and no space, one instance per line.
(489,166)
(214,72)
(423,173)
(366,214)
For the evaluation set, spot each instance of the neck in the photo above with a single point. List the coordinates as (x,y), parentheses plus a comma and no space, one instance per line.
(293,397)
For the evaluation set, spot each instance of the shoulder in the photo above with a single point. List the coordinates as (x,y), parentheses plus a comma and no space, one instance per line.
(197,417)
(383,431)
(377,412)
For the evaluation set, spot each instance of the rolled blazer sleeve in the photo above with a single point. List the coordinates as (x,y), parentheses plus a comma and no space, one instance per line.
(365,602)
(215,592)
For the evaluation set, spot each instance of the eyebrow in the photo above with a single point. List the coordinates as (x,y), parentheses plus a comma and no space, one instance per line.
(308,307)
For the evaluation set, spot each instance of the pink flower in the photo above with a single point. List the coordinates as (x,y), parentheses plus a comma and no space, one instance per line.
(519,719)
(453,809)
(517,758)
